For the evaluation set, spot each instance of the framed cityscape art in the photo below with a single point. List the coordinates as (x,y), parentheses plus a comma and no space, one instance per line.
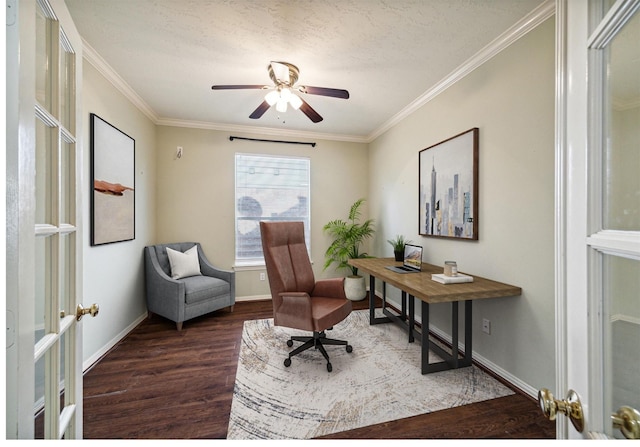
(112,184)
(448,188)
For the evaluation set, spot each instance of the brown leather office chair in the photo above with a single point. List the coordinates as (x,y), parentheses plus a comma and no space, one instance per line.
(299,301)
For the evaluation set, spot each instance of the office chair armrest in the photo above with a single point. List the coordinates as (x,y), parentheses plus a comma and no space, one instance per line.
(330,288)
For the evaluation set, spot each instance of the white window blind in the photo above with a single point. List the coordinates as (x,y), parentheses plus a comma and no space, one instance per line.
(268,188)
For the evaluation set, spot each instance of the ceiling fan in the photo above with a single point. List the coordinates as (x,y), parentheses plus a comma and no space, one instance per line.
(284,91)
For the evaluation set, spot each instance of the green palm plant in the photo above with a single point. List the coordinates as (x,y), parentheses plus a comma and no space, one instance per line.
(347,238)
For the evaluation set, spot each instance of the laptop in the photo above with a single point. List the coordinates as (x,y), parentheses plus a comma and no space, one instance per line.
(411,261)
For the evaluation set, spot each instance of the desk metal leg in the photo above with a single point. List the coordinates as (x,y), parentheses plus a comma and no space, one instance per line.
(412,318)
(454,335)
(372,302)
(467,333)
(451,360)
(424,339)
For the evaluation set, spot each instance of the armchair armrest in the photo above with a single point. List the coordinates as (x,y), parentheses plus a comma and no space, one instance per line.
(165,295)
(209,269)
(330,288)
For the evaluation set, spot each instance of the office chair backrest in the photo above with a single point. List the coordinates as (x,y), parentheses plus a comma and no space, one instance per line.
(286,258)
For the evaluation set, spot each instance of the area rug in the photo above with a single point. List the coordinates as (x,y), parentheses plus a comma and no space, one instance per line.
(379,381)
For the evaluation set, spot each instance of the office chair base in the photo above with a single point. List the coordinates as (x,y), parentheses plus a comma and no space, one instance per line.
(317,341)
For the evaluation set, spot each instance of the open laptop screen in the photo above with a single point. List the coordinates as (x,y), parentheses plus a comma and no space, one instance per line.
(412,257)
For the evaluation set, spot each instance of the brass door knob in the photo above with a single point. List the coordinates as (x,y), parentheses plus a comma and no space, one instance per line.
(570,406)
(627,419)
(82,311)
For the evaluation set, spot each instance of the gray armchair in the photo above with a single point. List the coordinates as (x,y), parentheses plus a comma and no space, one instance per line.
(180,300)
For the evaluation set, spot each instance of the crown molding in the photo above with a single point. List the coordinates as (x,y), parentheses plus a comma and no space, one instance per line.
(521,28)
(260,130)
(91,56)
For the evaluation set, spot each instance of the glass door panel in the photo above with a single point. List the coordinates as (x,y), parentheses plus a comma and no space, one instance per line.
(67,87)
(43,285)
(44,175)
(622,334)
(622,159)
(67,182)
(43,60)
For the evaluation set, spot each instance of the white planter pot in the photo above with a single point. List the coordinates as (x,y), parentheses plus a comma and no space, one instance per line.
(355,288)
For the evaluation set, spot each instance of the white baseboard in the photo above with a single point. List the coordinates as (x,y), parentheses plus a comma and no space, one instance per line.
(485,363)
(96,356)
(253,298)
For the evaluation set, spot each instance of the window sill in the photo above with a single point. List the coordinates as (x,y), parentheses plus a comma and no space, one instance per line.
(244,266)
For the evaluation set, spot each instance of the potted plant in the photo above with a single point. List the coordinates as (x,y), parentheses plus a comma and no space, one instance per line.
(398,246)
(347,237)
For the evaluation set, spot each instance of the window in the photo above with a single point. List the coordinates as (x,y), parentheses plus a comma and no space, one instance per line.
(268,188)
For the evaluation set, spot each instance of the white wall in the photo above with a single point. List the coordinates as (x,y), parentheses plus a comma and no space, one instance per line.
(196,192)
(114,273)
(511,100)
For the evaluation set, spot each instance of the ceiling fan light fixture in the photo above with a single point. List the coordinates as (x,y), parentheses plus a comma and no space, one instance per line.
(295,101)
(272,97)
(281,106)
(285,93)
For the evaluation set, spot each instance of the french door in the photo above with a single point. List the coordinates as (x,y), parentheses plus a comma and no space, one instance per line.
(44,220)
(598,219)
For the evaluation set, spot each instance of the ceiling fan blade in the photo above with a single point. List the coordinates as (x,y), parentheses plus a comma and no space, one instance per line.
(323,91)
(257,113)
(237,87)
(308,110)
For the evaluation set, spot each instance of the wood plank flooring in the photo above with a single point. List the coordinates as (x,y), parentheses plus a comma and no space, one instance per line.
(158,383)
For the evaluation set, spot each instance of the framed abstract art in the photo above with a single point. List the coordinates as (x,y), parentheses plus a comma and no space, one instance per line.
(448,188)
(112,183)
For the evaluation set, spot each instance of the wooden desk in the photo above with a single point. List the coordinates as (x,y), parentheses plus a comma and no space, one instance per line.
(422,287)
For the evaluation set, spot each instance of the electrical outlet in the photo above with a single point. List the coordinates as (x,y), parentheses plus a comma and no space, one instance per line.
(262,277)
(486,326)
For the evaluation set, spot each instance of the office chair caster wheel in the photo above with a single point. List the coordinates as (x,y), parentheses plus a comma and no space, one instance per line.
(289,343)
(329,367)
(349,348)
(287,362)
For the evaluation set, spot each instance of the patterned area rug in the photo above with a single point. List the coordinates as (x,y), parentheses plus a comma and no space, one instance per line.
(379,381)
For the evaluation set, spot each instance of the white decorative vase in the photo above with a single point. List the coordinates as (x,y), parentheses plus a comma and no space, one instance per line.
(355,288)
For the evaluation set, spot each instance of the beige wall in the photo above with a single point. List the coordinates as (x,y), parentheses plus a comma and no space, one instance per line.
(196,192)
(114,273)
(511,100)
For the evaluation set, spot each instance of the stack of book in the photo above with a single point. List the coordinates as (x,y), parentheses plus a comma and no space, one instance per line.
(444,279)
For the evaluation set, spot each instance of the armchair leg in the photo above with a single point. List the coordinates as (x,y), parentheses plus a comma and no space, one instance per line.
(179,325)
(231,308)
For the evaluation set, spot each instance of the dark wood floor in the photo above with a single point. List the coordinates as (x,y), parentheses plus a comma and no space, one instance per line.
(160,383)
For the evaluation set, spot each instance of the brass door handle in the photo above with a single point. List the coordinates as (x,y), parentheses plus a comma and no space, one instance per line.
(82,311)
(570,406)
(627,419)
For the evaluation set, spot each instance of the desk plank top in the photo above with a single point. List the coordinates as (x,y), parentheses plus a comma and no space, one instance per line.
(421,286)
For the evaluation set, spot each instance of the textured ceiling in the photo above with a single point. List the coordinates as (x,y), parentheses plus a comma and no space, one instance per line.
(385,53)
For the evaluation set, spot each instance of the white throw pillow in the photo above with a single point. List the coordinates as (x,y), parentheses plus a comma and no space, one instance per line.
(184,264)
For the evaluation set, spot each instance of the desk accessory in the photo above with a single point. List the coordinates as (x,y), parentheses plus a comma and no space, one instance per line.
(444,279)
(450,268)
